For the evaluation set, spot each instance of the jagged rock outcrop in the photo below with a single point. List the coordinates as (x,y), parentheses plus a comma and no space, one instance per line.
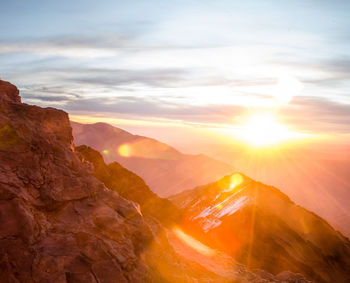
(57,222)
(130,186)
(262,228)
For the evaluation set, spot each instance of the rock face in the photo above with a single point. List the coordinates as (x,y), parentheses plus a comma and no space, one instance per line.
(130,186)
(166,170)
(262,228)
(57,222)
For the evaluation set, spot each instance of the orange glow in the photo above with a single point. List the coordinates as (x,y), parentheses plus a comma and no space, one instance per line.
(124,150)
(106,151)
(193,243)
(219,206)
(264,130)
(236,180)
(231,182)
(147,148)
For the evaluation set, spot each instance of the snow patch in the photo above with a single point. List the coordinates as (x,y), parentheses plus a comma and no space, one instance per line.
(210,216)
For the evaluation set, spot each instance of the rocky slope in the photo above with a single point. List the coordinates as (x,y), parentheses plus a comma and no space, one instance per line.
(130,186)
(163,168)
(57,222)
(262,228)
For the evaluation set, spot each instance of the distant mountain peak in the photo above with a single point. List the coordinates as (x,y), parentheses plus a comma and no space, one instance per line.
(261,227)
(164,169)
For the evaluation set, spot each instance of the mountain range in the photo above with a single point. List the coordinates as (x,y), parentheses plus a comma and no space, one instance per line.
(314,174)
(309,176)
(165,170)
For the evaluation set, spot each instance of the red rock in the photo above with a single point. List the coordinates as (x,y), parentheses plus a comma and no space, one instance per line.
(57,222)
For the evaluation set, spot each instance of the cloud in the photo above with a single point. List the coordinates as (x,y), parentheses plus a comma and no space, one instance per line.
(70,46)
(124,77)
(118,75)
(316,114)
(322,116)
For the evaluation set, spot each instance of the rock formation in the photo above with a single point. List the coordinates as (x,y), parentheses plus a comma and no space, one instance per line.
(57,222)
(130,186)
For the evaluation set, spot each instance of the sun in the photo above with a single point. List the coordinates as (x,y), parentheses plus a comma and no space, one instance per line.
(264,130)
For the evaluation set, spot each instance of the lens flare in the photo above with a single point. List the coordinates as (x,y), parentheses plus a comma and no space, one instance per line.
(236,180)
(124,150)
(219,206)
(147,148)
(193,243)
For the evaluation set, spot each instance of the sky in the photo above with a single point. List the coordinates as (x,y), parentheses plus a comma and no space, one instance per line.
(189,66)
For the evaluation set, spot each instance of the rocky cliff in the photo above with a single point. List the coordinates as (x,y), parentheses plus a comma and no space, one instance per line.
(57,222)
(130,186)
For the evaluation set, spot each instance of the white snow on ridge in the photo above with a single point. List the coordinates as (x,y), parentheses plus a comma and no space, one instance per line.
(232,206)
(197,202)
(210,216)
(208,224)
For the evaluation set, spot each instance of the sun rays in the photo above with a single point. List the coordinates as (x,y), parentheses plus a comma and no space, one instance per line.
(264,130)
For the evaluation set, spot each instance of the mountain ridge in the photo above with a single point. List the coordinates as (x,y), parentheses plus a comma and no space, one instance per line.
(246,218)
(164,169)
(130,186)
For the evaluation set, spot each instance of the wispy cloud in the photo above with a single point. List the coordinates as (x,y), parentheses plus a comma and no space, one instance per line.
(71,47)
(322,116)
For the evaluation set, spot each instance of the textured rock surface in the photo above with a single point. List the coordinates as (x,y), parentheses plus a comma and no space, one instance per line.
(57,222)
(130,186)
